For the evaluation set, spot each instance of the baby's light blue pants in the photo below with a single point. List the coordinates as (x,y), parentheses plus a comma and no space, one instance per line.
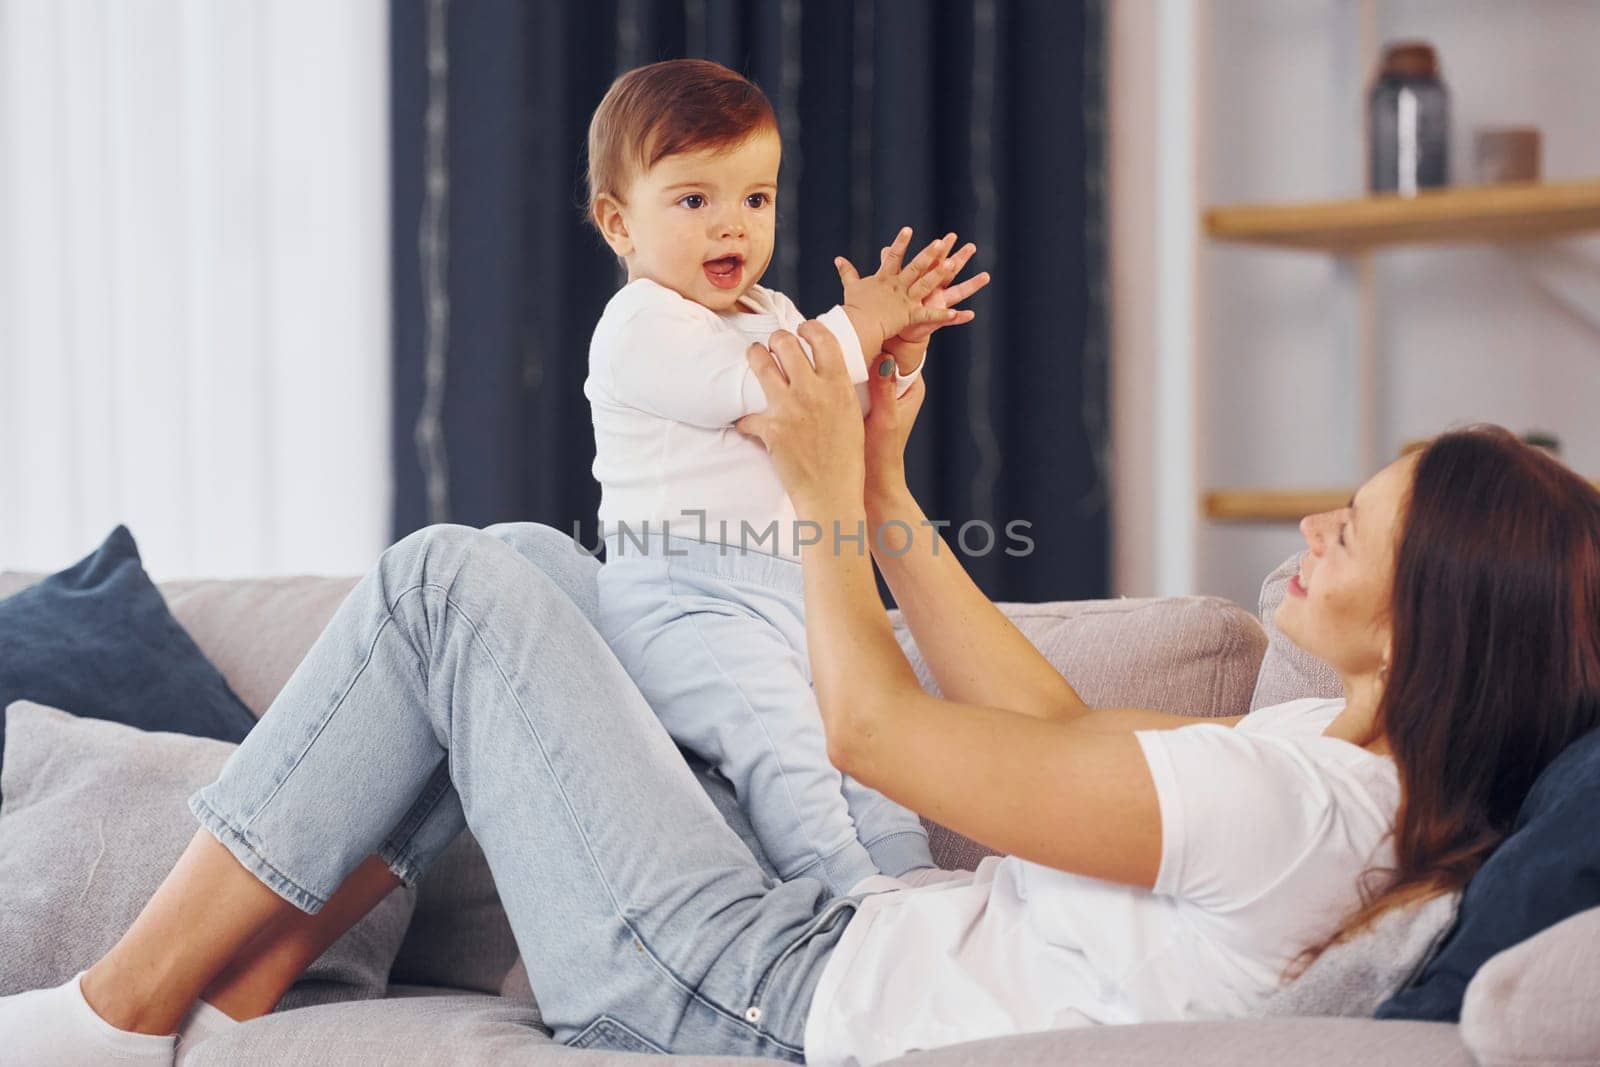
(714,636)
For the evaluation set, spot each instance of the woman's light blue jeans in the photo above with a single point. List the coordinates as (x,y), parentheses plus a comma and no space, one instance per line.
(463,683)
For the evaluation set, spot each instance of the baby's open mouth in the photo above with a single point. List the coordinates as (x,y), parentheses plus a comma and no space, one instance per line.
(725,272)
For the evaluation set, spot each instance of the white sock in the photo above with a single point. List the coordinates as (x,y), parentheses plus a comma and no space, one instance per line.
(57,1028)
(204,1020)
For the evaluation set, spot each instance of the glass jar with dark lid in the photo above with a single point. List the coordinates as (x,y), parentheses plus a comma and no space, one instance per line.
(1408,121)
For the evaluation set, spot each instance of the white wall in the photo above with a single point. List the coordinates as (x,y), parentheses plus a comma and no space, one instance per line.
(194,295)
(1153,204)
(1131,166)
(1464,332)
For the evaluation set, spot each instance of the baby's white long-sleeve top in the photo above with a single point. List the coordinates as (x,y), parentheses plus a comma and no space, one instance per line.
(667,379)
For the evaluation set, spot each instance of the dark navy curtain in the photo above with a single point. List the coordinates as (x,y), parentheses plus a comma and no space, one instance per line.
(981,116)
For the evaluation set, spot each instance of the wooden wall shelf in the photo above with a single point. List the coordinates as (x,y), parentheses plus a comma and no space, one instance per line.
(1474,213)
(1270,505)
(1274,505)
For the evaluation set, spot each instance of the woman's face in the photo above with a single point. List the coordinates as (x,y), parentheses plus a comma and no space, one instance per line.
(1337,607)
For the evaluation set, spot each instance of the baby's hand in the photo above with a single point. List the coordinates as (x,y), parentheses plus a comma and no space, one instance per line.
(881,305)
(945,295)
(908,346)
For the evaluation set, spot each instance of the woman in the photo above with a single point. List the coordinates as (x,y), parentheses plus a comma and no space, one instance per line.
(1160,866)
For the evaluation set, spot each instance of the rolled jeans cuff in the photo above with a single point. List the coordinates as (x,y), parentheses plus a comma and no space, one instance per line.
(247,852)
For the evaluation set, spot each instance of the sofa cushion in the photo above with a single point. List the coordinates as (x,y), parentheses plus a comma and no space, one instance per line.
(1354,976)
(474,1030)
(256,630)
(1232,1043)
(1186,655)
(1288,672)
(460,936)
(1547,870)
(517,987)
(101,808)
(97,639)
(439,1031)
(1534,1002)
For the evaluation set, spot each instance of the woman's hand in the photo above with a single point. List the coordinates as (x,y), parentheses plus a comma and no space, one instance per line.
(812,426)
(885,431)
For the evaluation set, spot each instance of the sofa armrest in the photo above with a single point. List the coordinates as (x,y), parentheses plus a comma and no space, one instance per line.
(1534,1002)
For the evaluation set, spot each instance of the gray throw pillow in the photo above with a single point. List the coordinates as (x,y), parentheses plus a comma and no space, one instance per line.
(92,817)
(1288,672)
(459,937)
(1353,977)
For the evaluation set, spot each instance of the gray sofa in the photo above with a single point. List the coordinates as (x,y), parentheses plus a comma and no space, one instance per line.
(457,995)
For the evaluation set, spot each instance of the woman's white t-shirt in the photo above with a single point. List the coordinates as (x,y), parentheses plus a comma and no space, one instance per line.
(1266,828)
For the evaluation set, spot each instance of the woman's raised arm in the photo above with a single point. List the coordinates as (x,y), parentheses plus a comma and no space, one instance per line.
(1058,793)
(975,652)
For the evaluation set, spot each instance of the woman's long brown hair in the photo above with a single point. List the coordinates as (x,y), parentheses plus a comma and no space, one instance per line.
(1495,666)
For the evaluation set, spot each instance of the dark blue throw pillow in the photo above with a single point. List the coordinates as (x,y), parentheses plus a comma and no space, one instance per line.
(98,641)
(1547,870)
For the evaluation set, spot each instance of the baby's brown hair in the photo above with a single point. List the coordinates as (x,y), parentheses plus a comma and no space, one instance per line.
(680,105)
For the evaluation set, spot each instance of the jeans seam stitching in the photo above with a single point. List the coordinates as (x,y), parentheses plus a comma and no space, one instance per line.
(326,719)
(607,1017)
(399,840)
(811,930)
(566,800)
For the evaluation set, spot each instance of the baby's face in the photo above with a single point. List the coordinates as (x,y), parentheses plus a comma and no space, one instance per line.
(702,223)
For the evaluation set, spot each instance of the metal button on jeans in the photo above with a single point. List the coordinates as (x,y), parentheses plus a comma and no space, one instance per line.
(752,1014)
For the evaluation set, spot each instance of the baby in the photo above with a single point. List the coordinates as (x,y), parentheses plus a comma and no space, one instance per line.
(700,593)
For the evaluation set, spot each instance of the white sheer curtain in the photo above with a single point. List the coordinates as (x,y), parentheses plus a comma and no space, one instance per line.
(194,291)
